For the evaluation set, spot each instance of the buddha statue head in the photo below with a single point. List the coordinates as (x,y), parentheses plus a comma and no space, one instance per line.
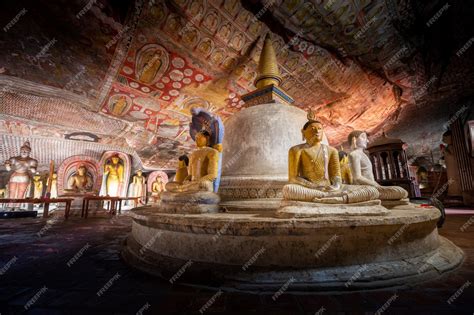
(313,131)
(183,161)
(81,170)
(115,159)
(25,150)
(358,139)
(203,138)
(140,173)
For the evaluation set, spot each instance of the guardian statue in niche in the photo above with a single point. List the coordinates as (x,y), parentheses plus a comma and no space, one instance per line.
(23,166)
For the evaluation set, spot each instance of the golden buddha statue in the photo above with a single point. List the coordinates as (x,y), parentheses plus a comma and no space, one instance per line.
(195,190)
(346,173)
(37,186)
(361,168)
(80,182)
(182,171)
(314,172)
(203,167)
(157,188)
(54,186)
(113,171)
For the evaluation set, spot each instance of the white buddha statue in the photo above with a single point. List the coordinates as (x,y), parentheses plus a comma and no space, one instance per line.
(361,168)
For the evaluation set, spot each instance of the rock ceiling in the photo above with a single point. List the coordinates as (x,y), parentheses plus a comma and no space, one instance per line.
(127,73)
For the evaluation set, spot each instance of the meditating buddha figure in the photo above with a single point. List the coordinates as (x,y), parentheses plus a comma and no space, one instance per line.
(114,176)
(361,168)
(314,172)
(203,167)
(182,171)
(80,182)
(157,189)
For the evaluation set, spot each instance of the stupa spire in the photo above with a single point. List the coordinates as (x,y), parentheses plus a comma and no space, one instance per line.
(268,72)
(268,79)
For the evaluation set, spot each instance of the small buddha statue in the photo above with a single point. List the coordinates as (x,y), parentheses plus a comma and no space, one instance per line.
(182,171)
(157,188)
(37,186)
(314,172)
(345,167)
(80,182)
(361,168)
(54,186)
(113,172)
(21,165)
(137,187)
(203,167)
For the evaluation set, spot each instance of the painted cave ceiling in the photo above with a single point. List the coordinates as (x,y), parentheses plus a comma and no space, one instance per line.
(127,72)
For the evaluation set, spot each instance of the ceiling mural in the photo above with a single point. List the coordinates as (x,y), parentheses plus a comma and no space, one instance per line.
(59,44)
(144,64)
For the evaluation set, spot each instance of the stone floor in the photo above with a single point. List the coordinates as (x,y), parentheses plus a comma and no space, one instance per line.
(73,267)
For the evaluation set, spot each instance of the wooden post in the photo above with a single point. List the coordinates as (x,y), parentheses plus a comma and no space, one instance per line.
(48,189)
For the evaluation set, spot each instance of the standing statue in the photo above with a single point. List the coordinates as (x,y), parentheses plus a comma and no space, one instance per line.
(345,167)
(22,165)
(197,193)
(361,168)
(54,186)
(113,172)
(137,187)
(37,186)
(314,172)
(80,182)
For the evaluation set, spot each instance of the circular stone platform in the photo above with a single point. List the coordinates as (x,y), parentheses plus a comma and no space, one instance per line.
(255,251)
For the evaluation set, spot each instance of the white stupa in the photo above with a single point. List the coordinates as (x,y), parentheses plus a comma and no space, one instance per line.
(257,140)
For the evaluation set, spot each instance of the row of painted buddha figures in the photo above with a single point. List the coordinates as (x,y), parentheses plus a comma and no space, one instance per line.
(314,170)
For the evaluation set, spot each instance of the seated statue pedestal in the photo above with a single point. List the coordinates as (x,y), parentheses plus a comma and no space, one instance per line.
(390,204)
(189,202)
(301,209)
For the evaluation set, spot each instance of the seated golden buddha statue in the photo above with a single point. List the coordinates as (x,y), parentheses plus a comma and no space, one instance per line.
(202,169)
(314,172)
(194,190)
(361,168)
(80,182)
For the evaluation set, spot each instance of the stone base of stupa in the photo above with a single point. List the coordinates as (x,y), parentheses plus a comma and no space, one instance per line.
(189,202)
(300,209)
(257,251)
(251,192)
